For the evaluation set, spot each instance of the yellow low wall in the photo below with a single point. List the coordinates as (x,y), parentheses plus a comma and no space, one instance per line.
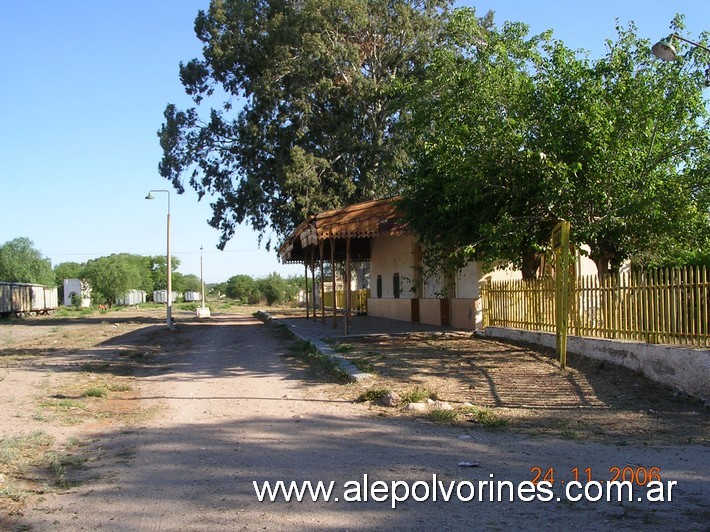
(463,314)
(430,311)
(395,309)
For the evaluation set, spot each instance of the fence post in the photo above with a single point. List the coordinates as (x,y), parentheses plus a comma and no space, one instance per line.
(484,293)
(560,244)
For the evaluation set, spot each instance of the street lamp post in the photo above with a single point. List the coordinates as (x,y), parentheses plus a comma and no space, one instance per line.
(202,281)
(202,312)
(169,263)
(665,50)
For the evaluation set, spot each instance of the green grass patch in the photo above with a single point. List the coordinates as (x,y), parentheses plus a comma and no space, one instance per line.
(442,416)
(63,404)
(483,416)
(59,464)
(363,364)
(319,363)
(65,410)
(71,312)
(95,391)
(418,395)
(342,348)
(18,451)
(372,395)
(17,454)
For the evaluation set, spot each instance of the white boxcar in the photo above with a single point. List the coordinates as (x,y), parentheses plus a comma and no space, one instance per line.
(161,296)
(25,298)
(191,295)
(132,297)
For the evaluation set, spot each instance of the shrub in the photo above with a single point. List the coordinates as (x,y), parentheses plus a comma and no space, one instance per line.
(484,416)
(417,395)
(372,395)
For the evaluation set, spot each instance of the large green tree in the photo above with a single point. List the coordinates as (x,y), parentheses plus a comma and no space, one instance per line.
(157,267)
(243,288)
(113,276)
(316,129)
(630,136)
(20,262)
(617,146)
(68,270)
(191,282)
(475,190)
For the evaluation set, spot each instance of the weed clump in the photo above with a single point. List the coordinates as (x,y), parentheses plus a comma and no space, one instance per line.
(483,416)
(373,395)
(418,395)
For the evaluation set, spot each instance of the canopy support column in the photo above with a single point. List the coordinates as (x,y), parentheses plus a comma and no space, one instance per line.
(322,286)
(335,293)
(305,266)
(348,291)
(313,281)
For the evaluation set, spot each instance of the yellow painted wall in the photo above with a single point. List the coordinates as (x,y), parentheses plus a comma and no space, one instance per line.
(396,309)
(463,313)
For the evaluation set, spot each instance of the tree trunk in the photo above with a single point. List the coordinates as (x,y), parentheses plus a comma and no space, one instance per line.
(531,264)
(606,262)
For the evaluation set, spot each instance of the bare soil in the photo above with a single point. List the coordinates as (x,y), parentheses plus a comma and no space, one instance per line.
(525,386)
(111,421)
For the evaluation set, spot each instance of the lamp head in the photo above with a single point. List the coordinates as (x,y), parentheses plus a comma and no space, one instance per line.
(150,196)
(665,50)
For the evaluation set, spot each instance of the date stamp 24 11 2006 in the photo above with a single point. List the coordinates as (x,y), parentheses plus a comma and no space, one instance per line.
(638,475)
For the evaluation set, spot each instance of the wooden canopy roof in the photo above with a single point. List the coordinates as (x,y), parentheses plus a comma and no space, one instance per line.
(360,221)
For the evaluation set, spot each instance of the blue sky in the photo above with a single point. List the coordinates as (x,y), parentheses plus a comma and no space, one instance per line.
(84,85)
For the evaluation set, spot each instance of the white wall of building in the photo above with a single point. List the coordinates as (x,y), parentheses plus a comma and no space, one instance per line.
(467,281)
(390,255)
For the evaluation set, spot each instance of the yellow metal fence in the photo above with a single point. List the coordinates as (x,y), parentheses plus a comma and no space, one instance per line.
(661,306)
(359,300)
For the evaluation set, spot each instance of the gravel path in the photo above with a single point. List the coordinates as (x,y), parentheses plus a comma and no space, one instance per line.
(234,412)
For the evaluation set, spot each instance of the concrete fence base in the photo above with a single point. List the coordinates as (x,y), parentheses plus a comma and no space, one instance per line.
(685,369)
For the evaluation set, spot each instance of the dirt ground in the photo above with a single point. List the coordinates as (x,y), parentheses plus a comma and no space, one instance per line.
(526,388)
(111,421)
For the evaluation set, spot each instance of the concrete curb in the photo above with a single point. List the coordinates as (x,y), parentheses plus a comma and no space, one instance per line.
(355,374)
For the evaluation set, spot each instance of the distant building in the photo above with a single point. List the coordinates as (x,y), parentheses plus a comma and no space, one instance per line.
(130,298)
(77,287)
(192,295)
(161,296)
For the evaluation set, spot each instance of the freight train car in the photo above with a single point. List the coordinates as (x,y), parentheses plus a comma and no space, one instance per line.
(21,299)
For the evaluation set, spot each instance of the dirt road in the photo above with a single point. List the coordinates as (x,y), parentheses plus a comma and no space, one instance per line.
(233,410)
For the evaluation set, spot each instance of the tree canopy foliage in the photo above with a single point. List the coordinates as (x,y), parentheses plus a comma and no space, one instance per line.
(317,128)
(491,135)
(272,289)
(113,276)
(242,288)
(514,133)
(20,262)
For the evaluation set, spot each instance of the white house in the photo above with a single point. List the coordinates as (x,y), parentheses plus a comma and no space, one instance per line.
(77,287)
